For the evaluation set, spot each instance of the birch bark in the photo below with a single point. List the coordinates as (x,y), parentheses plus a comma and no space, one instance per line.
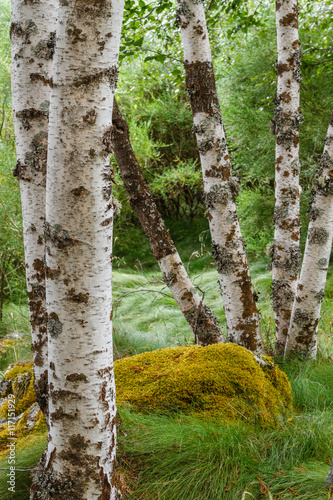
(285,125)
(220,186)
(200,318)
(32,38)
(80,459)
(302,336)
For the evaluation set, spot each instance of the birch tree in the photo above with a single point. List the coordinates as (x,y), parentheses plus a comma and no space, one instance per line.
(285,125)
(302,335)
(200,318)
(79,462)
(220,187)
(33,38)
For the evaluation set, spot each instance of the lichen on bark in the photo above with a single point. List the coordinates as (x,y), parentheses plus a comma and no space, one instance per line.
(54,326)
(223,259)
(318,236)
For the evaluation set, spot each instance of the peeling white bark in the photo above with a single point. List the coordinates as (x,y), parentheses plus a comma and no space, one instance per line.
(32,42)
(286,253)
(302,335)
(80,457)
(219,186)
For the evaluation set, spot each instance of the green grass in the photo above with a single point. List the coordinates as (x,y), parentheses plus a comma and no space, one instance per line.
(181,457)
(28,453)
(15,338)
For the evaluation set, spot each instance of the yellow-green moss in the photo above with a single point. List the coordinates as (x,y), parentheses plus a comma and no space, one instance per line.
(279,380)
(22,432)
(22,378)
(4,435)
(40,425)
(220,380)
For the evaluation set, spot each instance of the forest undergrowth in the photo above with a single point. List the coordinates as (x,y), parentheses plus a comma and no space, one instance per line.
(175,457)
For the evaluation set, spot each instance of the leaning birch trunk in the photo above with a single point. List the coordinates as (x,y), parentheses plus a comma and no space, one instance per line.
(285,125)
(219,186)
(302,336)
(80,459)
(33,37)
(200,318)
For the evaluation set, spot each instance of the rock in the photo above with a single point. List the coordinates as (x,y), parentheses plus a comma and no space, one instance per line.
(223,381)
(32,416)
(5,387)
(18,381)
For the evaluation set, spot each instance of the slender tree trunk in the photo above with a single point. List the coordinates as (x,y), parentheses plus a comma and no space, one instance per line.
(2,282)
(3,115)
(80,457)
(200,318)
(220,187)
(285,125)
(33,38)
(302,336)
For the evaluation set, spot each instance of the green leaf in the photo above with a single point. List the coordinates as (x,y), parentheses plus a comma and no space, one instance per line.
(139,42)
(160,58)
(149,58)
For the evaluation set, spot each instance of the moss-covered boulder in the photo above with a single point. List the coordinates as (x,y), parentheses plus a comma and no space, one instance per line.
(221,381)
(18,381)
(17,389)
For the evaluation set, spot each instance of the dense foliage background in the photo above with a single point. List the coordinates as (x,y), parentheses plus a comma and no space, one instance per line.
(152,96)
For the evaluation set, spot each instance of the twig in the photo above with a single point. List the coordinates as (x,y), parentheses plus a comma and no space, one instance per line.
(248,493)
(166,55)
(119,299)
(226,402)
(198,314)
(19,470)
(136,19)
(209,6)
(128,434)
(315,63)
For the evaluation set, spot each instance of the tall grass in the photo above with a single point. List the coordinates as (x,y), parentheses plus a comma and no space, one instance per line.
(185,458)
(28,453)
(15,338)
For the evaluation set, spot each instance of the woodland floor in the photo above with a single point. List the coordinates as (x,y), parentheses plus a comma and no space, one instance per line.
(177,457)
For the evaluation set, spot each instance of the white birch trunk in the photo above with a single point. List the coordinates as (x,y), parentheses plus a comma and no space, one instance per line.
(219,186)
(33,38)
(302,336)
(286,252)
(80,458)
(200,318)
